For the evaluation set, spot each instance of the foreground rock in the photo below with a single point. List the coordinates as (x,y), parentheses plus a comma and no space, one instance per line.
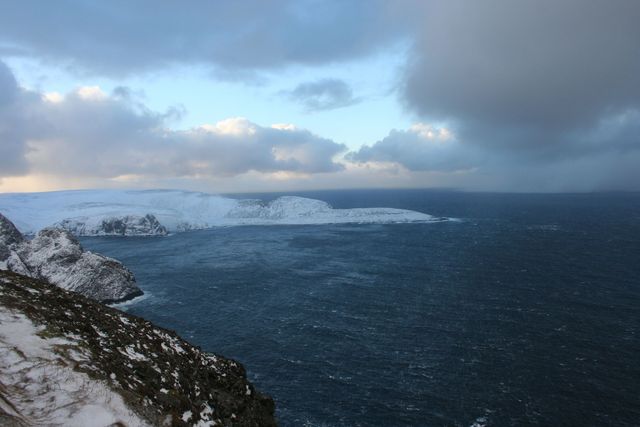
(57,256)
(158,378)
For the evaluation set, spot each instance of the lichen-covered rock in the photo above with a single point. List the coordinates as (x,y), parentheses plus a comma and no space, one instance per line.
(161,377)
(57,256)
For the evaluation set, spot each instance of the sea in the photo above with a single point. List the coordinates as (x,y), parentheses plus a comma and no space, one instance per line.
(524,309)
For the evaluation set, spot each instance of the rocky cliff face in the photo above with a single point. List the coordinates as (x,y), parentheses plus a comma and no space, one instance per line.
(57,256)
(161,379)
(9,234)
(126,225)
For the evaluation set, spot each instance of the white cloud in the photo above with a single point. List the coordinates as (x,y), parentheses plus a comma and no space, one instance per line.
(237,126)
(54,97)
(422,147)
(431,133)
(89,134)
(91,93)
(284,126)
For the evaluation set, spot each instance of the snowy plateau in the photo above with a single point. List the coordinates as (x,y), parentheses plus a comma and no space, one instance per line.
(158,212)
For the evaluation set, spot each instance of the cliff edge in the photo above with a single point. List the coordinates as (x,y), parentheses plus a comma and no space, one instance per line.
(68,360)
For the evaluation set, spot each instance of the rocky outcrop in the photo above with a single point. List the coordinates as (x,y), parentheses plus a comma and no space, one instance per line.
(126,225)
(133,225)
(9,234)
(160,377)
(57,256)
(9,238)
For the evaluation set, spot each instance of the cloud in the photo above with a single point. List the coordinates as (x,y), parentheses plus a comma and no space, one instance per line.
(602,157)
(542,94)
(530,70)
(550,63)
(423,147)
(89,133)
(324,94)
(8,86)
(121,37)
(13,122)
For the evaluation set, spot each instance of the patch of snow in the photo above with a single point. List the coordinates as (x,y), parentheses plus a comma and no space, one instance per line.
(205,416)
(132,354)
(100,333)
(42,385)
(174,344)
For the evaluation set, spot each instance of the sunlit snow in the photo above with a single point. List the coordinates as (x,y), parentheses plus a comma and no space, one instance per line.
(85,211)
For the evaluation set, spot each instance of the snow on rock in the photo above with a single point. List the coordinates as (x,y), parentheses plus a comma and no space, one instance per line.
(103,212)
(9,234)
(65,356)
(9,238)
(57,256)
(127,225)
(41,387)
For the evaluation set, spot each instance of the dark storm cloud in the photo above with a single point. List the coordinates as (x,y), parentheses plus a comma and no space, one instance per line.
(324,94)
(547,87)
(544,62)
(551,65)
(93,134)
(119,37)
(12,124)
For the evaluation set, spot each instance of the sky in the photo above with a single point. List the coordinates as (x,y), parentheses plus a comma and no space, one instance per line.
(286,95)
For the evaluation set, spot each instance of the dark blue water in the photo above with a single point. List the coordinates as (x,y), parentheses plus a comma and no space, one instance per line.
(525,313)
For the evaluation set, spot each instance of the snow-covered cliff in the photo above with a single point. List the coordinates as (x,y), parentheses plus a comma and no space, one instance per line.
(57,256)
(66,360)
(103,212)
(127,225)
(9,234)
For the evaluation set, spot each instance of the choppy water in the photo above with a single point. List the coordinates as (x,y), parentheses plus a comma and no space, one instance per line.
(524,313)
